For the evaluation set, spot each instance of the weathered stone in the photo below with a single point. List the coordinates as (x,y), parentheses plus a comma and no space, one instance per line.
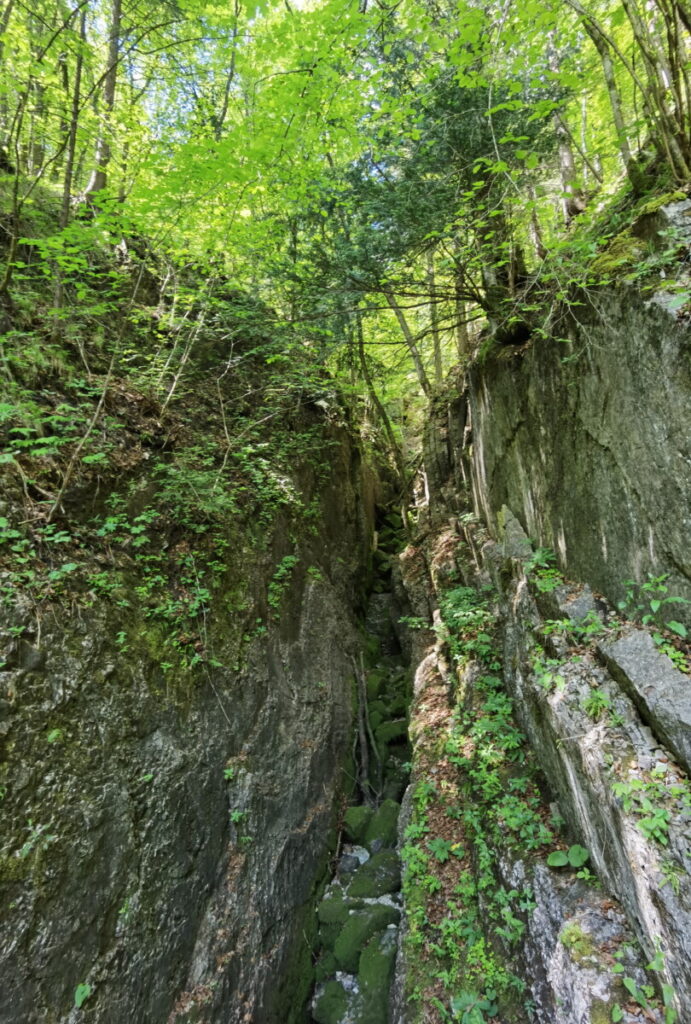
(381,874)
(333,909)
(325,967)
(383,824)
(660,692)
(358,929)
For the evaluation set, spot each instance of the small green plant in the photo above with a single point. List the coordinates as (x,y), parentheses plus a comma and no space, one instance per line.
(281,580)
(576,856)
(441,848)
(596,704)
(542,567)
(414,622)
(650,602)
(81,994)
(546,674)
(473,1007)
(229,774)
(38,840)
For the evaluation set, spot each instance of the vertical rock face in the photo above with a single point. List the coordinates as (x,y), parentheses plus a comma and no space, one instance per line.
(163,831)
(588,442)
(588,455)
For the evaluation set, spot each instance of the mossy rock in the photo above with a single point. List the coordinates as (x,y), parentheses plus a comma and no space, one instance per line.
(377,707)
(325,967)
(358,930)
(383,825)
(333,909)
(328,934)
(356,821)
(391,731)
(375,681)
(397,705)
(375,973)
(379,875)
(623,251)
(579,943)
(331,1004)
(395,781)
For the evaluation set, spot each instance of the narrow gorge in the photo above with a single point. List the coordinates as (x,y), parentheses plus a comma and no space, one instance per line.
(345,512)
(174,825)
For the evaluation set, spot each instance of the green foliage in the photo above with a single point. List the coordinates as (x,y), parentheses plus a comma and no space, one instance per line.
(650,602)
(541,567)
(281,580)
(576,856)
(653,799)
(596,704)
(473,1008)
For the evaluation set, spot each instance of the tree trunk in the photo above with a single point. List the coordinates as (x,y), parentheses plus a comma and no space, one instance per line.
(434,320)
(99,176)
(410,342)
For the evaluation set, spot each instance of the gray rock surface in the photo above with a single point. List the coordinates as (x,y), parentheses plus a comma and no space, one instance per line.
(163,831)
(588,441)
(661,693)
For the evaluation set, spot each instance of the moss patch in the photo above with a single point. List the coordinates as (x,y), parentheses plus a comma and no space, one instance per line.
(356,932)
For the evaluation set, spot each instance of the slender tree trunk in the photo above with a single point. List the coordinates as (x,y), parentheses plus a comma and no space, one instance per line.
(410,341)
(434,320)
(605,55)
(99,176)
(70,157)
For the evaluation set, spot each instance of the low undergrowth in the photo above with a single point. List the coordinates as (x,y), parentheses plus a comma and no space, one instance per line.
(478,791)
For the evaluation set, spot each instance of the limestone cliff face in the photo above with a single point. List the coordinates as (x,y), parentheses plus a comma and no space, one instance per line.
(163,831)
(588,442)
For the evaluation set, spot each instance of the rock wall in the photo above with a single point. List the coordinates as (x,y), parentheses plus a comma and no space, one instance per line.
(588,441)
(582,446)
(605,775)
(163,831)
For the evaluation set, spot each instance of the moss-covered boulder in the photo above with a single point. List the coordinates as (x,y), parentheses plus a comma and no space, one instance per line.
(395,780)
(325,967)
(391,731)
(383,825)
(333,909)
(375,680)
(358,930)
(355,823)
(331,1003)
(375,972)
(379,875)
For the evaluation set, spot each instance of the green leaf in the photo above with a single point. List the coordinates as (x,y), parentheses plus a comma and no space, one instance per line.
(558,859)
(617,1013)
(81,994)
(677,627)
(578,855)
